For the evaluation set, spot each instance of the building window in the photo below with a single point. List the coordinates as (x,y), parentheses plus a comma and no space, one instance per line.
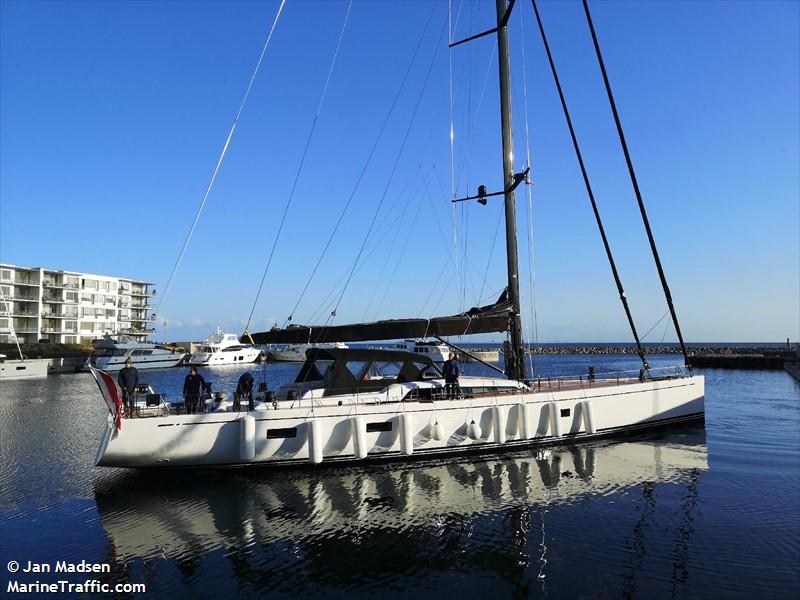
(5,274)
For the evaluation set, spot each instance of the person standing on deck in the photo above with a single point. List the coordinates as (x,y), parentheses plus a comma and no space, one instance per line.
(244,389)
(128,378)
(192,389)
(451,371)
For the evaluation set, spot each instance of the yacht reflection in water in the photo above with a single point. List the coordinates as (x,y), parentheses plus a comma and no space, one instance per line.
(185,515)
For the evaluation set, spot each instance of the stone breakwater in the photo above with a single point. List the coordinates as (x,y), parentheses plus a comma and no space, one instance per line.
(697,350)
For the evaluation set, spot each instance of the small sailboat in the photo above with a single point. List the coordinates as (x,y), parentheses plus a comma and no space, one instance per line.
(354,405)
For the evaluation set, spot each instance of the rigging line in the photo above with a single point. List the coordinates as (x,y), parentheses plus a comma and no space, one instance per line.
(531,233)
(588,185)
(374,243)
(219,162)
(11,321)
(433,287)
(434,213)
(476,117)
(441,297)
(635,183)
(364,169)
(394,228)
(302,162)
(655,325)
(394,167)
(399,260)
(491,253)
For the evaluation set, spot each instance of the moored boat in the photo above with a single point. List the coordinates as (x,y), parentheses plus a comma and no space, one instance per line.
(297,352)
(110,354)
(356,406)
(223,349)
(436,350)
(364,405)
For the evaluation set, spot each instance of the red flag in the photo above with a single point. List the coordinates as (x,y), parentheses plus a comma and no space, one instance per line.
(108,388)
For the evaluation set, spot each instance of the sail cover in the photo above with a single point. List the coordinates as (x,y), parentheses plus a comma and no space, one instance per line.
(485,319)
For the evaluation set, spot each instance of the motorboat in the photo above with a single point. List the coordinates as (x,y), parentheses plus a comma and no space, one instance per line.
(297,352)
(365,405)
(436,350)
(223,349)
(110,354)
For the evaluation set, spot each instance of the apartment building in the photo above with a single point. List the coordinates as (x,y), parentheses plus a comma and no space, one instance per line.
(38,304)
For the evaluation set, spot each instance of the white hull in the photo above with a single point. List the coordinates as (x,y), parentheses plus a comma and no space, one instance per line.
(23,369)
(214,359)
(153,361)
(366,429)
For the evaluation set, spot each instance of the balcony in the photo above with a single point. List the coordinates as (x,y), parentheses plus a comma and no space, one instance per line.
(55,330)
(53,300)
(25,314)
(24,299)
(48,315)
(26,282)
(50,283)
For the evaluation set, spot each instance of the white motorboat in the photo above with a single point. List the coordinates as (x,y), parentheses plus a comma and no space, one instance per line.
(350,405)
(223,349)
(111,354)
(297,352)
(437,351)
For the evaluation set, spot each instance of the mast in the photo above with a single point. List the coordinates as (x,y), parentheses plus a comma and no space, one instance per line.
(515,360)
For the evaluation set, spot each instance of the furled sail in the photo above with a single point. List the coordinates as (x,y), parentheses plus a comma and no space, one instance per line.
(485,319)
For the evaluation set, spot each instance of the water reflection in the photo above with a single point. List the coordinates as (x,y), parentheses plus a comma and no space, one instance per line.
(267,520)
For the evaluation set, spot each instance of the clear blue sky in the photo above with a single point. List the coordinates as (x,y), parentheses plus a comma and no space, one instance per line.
(113,115)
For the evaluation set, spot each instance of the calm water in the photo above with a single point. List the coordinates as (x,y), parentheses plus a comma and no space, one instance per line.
(692,512)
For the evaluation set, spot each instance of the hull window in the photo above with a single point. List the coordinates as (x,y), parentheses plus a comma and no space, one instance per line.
(275,434)
(380,426)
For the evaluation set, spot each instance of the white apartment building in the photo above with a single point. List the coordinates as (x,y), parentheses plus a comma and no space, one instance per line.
(68,307)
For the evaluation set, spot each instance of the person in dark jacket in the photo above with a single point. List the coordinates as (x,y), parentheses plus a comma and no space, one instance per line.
(192,390)
(451,371)
(244,389)
(128,378)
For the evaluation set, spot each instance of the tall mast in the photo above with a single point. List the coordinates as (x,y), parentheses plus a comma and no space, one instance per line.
(515,360)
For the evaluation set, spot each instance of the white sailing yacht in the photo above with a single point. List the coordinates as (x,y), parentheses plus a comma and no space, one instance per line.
(363,405)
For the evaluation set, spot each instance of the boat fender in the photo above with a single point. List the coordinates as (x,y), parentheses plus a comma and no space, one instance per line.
(524,421)
(247,439)
(359,437)
(588,417)
(555,419)
(473,430)
(437,431)
(315,441)
(499,424)
(407,434)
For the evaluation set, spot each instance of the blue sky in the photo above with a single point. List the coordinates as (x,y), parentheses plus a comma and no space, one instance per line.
(113,115)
